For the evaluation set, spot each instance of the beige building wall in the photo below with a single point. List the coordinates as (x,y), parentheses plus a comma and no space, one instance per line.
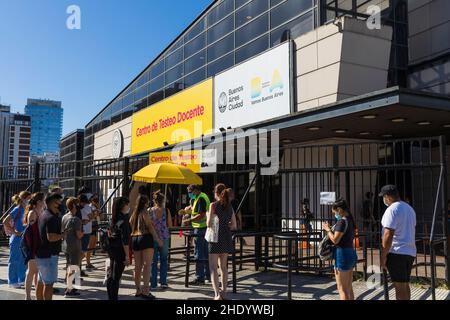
(103,140)
(429,38)
(341,60)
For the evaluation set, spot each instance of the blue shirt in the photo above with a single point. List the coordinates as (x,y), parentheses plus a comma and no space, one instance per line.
(18,225)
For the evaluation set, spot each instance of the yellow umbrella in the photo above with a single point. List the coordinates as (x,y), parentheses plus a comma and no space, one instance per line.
(167,173)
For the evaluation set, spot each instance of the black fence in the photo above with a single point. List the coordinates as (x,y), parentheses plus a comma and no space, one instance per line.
(354,171)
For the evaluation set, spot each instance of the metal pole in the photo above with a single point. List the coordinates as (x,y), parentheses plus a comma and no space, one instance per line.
(37,180)
(446,231)
(385,285)
(126,179)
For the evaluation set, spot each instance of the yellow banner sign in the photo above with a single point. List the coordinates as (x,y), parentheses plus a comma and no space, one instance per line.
(184,116)
(190,159)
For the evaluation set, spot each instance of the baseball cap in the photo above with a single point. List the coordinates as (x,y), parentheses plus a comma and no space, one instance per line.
(389,190)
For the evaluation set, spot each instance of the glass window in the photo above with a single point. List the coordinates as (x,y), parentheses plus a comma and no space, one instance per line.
(127,100)
(195,45)
(155,97)
(127,112)
(142,104)
(252,49)
(297,27)
(195,62)
(173,88)
(220,11)
(220,65)
(174,74)
(174,58)
(195,30)
(157,69)
(177,45)
(275,2)
(116,118)
(287,11)
(140,93)
(156,84)
(116,106)
(221,29)
(251,10)
(195,77)
(252,30)
(143,79)
(239,3)
(220,48)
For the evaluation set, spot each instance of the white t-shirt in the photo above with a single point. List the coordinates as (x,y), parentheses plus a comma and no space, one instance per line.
(85,212)
(400,217)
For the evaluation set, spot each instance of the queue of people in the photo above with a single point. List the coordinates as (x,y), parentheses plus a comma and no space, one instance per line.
(398,246)
(142,231)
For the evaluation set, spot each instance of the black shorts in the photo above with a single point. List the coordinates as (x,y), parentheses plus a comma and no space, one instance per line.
(142,242)
(399,267)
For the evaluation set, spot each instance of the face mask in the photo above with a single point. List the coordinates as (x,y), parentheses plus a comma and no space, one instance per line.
(127,212)
(385,203)
(88,195)
(191,195)
(337,216)
(26,202)
(63,196)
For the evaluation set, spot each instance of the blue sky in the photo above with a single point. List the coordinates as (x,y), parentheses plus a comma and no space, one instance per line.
(85,69)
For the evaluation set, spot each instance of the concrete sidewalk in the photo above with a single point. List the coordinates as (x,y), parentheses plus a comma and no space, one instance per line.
(251,286)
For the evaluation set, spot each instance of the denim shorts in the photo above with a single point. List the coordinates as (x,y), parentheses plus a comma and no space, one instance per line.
(345,259)
(48,269)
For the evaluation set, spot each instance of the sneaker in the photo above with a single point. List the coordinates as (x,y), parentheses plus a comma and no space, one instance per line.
(83,274)
(55,290)
(197,282)
(71,293)
(14,285)
(164,287)
(148,297)
(90,266)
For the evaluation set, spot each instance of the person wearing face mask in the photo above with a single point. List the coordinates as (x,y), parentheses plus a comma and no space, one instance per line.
(119,256)
(33,211)
(51,236)
(198,209)
(16,262)
(342,235)
(398,250)
(60,191)
(72,227)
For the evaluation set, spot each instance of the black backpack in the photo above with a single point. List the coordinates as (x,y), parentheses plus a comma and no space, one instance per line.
(111,238)
(28,242)
(326,245)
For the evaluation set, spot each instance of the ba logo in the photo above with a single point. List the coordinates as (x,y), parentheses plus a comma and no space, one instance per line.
(223,102)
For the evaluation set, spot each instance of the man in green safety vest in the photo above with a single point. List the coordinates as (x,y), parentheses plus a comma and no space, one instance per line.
(199,206)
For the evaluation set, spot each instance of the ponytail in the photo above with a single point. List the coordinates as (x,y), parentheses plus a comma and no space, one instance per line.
(15,199)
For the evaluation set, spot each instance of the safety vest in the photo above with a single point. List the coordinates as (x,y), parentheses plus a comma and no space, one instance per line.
(201,223)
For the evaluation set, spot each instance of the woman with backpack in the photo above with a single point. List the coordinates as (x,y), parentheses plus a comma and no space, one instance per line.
(143,235)
(118,252)
(222,210)
(162,220)
(342,235)
(32,212)
(16,262)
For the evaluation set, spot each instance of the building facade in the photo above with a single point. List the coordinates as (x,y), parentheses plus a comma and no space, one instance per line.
(19,140)
(46,125)
(350,83)
(71,150)
(4,133)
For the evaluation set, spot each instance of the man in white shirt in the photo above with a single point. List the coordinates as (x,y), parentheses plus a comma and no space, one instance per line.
(398,250)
